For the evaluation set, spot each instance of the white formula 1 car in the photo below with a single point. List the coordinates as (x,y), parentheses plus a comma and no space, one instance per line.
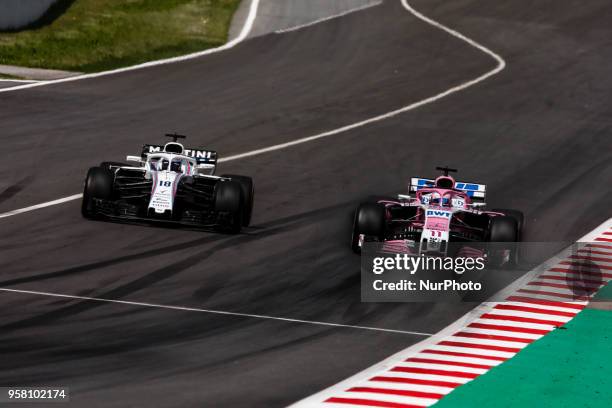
(169,183)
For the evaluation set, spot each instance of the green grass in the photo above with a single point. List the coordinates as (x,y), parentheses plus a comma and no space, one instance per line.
(568,368)
(95,35)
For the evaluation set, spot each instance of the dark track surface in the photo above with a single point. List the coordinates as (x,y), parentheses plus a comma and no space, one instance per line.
(538,134)
(8,84)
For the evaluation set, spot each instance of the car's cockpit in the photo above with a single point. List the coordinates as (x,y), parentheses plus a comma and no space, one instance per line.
(171,162)
(442,198)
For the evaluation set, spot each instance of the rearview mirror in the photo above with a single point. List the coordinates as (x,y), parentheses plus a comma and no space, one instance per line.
(134,159)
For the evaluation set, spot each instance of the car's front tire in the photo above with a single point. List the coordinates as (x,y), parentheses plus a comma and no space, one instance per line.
(248,196)
(229,200)
(98,185)
(503,229)
(370,221)
(518,216)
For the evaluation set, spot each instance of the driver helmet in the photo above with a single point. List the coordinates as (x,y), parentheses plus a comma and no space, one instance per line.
(163,164)
(176,166)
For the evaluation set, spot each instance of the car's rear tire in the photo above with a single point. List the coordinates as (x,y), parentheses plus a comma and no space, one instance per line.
(518,216)
(229,200)
(98,185)
(370,221)
(248,196)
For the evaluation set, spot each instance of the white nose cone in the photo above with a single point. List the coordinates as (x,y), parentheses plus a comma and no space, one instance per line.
(164,191)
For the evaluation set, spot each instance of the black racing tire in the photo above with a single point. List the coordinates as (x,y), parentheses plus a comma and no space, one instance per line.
(518,216)
(229,199)
(370,221)
(503,229)
(248,195)
(98,184)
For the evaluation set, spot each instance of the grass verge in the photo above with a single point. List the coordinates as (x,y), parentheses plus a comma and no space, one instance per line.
(568,368)
(96,35)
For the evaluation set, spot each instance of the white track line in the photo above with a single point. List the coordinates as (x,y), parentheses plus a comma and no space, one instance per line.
(211,311)
(246,29)
(42,205)
(24,81)
(501,64)
(324,19)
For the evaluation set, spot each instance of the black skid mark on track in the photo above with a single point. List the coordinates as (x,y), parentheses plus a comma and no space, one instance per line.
(109,262)
(161,274)
(11,191)
(261,230)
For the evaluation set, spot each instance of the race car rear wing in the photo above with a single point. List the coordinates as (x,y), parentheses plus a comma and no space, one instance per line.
(475,191)
(208,157)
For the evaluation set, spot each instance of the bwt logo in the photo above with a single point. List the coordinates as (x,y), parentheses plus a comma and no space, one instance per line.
(437,213)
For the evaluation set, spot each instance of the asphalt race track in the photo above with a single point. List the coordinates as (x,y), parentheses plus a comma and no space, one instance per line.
(538,134)
(276,15)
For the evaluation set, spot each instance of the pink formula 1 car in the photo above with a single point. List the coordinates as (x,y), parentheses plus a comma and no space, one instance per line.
(435,214)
